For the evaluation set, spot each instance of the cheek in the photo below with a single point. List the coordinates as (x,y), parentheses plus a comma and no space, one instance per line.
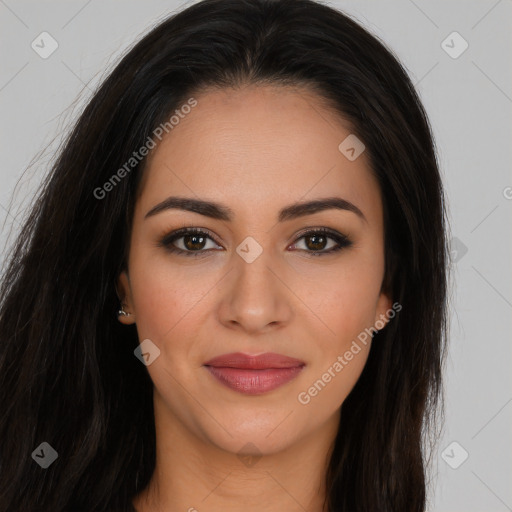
(324,394)
(165,296)
(344,297)
(350,310)
(347,307)
(157,305)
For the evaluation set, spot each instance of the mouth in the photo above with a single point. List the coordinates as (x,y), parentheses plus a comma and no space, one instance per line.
(254,375)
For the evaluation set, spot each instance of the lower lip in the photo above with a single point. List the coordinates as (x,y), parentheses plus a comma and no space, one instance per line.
(254,382)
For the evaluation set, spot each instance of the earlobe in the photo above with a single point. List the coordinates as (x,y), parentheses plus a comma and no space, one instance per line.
(125,313)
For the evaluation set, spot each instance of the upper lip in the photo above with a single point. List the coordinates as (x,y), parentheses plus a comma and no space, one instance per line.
(254,362)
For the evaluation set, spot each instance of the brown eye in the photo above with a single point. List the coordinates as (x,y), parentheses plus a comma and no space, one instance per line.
(194,242)
(317,242)
(189,242)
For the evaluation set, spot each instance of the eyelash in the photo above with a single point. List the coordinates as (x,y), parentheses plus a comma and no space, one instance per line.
(166,242)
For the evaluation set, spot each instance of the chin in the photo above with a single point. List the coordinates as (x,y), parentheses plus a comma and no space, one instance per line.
(253,436)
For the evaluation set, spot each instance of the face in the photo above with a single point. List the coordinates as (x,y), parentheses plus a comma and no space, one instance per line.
(259,277)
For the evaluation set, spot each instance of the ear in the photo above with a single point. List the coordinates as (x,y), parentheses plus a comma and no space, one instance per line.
(384,305)
(124,294)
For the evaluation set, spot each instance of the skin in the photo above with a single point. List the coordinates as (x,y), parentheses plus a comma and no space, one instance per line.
(255,149)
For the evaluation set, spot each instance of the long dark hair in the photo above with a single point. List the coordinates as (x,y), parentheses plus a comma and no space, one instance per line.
(68,375)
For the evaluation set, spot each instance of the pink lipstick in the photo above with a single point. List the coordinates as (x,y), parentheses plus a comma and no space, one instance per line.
(254,375)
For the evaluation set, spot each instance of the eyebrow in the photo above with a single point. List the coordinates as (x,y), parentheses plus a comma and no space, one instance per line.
(221,212)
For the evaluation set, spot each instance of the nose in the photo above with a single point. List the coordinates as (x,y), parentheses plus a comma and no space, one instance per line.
(255,296)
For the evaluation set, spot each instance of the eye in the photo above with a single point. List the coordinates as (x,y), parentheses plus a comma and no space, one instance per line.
(194,242)
(191,240)
(316,241)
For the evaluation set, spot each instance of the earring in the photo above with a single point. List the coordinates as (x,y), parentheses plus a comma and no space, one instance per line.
(123,312)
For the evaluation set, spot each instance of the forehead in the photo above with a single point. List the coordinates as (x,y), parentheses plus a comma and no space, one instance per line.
(257,143)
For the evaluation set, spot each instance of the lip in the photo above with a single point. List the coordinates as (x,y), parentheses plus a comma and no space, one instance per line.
(254,362)
(254,374)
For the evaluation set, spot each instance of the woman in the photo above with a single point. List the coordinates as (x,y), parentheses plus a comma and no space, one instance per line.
(231,291)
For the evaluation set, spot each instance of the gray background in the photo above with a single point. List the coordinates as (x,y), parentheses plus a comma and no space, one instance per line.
(469,101)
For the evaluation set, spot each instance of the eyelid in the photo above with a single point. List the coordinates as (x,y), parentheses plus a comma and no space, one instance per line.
(317,229)
(167,240)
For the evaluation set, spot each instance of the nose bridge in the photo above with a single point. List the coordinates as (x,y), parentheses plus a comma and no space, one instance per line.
(255,297)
